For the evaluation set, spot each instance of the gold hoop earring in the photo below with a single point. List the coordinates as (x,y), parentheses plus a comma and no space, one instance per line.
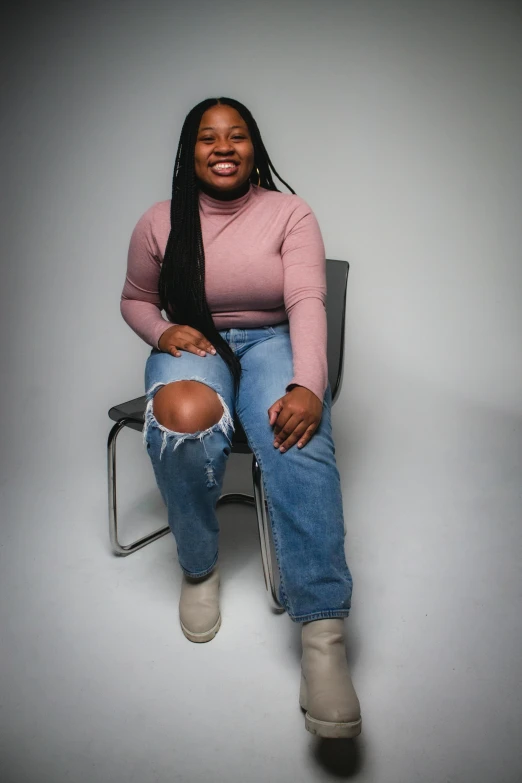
(258,177)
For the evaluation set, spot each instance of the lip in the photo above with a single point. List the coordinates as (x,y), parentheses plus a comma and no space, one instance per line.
(224,160)
(230,172)
(225,172)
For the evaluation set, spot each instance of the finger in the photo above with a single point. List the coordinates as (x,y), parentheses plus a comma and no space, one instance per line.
(274,411)
(205,346)
(194,348)
(307,437)
(199,340)
(292,439)
(287,436)
(297,436)
(188,346)
(282,418)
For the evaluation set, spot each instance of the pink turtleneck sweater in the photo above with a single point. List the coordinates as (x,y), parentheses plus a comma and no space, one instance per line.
(264,264)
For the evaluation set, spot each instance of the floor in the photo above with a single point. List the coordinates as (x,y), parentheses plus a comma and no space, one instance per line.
(99,684)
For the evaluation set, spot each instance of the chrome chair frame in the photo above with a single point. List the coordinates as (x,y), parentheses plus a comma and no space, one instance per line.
(337,280)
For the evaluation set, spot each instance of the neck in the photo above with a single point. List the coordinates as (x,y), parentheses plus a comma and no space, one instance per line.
(228,195)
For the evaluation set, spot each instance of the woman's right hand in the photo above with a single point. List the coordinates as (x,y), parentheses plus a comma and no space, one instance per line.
(186,338)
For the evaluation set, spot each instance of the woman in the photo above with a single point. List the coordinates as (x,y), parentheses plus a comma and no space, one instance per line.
(239,269)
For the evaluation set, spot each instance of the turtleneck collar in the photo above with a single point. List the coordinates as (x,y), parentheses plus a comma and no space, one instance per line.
(216,206)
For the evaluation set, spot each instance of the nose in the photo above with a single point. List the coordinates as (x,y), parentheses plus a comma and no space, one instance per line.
(223,147)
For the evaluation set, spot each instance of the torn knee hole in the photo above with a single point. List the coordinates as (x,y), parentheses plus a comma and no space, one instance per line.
(189,408)
(224,424)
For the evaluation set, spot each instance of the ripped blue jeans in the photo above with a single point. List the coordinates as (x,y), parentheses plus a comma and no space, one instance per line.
(302,486)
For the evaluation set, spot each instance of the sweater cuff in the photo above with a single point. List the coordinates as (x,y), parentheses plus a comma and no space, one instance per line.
(310,386)
(159,330)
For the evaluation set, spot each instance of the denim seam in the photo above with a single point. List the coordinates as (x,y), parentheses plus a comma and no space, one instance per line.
(200,573)
(325,614)
(270,508)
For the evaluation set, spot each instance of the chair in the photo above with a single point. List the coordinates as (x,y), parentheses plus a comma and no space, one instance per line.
(131,414)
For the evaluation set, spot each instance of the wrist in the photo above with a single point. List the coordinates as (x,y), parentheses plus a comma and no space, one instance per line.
(164,332)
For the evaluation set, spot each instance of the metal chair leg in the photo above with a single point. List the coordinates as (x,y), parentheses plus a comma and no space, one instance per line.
(263,524)
(263,521)
(117,548)
(257,500)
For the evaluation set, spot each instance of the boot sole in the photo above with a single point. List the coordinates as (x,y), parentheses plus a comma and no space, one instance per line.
(325,728)
(205,636)
(330,730)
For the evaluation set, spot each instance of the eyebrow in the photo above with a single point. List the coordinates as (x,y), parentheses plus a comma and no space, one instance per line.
(211,127)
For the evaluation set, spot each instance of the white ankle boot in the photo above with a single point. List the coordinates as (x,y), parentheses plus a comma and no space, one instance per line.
(327,694)
(199,613)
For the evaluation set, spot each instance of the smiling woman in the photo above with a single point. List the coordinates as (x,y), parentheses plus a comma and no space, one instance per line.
(224,153)
(214,131)
(239,269)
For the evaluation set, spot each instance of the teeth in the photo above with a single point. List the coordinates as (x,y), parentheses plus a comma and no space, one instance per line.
(224,165)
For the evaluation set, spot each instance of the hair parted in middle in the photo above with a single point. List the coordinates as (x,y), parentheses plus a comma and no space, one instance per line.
(182,275)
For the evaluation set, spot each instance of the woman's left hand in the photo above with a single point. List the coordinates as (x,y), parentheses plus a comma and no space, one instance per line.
(296,417)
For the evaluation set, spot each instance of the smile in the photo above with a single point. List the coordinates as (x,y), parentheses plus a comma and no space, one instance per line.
(225,169)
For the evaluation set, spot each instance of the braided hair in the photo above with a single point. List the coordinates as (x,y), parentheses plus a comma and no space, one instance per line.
(182,275)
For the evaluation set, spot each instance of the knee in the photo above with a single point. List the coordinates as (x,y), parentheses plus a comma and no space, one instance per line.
(187,406)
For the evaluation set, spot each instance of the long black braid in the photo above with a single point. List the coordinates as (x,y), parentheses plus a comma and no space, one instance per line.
(182,276)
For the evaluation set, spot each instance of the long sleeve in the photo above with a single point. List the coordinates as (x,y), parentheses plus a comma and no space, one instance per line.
(264,264)
(304,265)
(140,304)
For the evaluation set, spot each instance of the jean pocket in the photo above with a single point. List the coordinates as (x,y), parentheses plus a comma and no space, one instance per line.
(281,328)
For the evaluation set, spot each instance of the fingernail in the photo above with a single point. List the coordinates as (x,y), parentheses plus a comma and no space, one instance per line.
(276,444)
(282,449)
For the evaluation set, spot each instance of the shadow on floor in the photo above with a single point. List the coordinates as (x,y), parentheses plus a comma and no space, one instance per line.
(343,759)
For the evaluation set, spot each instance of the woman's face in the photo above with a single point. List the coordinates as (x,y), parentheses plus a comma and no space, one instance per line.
(224,153)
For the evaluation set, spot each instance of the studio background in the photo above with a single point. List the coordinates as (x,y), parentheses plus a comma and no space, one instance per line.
(400,124)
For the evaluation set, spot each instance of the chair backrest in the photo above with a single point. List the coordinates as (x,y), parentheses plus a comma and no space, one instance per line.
(336,284)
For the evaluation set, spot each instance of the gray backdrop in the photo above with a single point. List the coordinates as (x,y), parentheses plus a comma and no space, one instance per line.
(400,124)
